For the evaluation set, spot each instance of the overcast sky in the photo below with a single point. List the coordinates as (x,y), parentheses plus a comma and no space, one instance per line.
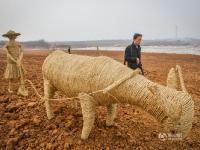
(64,20)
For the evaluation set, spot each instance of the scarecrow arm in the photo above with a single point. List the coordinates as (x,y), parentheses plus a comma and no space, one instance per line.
(8,54)
(21,54)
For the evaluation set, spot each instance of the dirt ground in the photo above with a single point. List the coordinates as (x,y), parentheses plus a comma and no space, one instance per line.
(24,125)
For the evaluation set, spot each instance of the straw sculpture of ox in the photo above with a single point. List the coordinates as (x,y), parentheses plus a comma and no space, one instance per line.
(79,76)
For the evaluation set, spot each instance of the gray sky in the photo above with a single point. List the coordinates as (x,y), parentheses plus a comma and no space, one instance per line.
(63,20)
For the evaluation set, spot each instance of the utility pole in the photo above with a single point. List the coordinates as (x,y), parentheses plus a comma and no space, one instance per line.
(98,53)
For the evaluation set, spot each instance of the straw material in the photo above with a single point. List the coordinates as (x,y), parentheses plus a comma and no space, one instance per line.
(175,79)
(172,80)
(11,71)
(88,111)
(14,68)
(10,34)
(80,76)
(13,53)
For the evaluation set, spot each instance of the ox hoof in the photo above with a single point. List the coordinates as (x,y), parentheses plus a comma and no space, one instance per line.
(109,124)
(84,137)
(50,117)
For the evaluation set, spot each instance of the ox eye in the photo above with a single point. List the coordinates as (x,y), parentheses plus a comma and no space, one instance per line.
(172,131)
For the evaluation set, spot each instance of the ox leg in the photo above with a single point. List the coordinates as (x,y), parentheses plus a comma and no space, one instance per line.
(111,114)
(48,94)
(88,111)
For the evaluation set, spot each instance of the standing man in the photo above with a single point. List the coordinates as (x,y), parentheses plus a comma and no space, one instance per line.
(133,53)
(14,69)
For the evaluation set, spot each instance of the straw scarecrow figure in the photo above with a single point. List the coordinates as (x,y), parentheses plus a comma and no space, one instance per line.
(14,69)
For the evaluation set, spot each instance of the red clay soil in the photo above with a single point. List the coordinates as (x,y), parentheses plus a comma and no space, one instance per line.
(24,125)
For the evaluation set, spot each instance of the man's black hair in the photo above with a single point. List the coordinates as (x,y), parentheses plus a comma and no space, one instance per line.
(136,35)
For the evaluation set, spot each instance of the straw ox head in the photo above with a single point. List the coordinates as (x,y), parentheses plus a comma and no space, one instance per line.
(177,104)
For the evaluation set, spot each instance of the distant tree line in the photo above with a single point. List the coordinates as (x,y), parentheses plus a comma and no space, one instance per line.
(32,44)
(36,44)
(42,44)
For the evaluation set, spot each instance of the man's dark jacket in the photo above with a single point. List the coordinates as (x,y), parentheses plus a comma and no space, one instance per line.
(131,54)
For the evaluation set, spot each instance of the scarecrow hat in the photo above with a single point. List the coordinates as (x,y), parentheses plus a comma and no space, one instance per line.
(10,34)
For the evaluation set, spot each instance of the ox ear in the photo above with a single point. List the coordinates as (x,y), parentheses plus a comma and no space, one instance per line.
(175,79)
(172,80)
(181,81)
